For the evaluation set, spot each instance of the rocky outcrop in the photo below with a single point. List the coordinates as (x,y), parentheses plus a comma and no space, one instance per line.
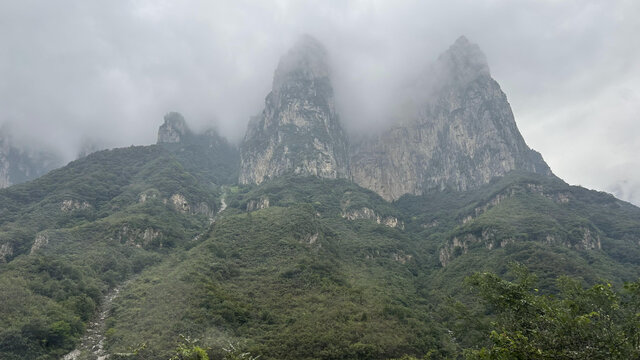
(298,131)
(366,213)
(174,129)
(401,257)
(179,203)
(69,205)
(583,239)
(457,132)
(40,241)
(560,198)
(6,251)
(139,237)
(259,204)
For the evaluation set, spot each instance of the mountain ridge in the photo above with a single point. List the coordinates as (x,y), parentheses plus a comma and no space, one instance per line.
(461,134)
(300,261)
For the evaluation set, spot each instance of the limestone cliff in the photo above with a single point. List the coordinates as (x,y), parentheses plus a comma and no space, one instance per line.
(456,132)
(174,129)
(298,131)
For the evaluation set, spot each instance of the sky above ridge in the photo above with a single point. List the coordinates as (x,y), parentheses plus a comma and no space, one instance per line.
(105,72)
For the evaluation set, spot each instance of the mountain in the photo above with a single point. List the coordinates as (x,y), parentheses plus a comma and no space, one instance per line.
(456,132)
(19,164)
(298,131)
(207,152)
(72,234)
(287,248)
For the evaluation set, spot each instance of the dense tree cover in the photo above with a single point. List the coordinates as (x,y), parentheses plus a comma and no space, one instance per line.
(94,232)
(597,322)
(297,279)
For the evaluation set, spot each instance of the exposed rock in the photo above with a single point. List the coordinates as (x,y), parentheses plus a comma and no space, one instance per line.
(460,244)
(448,251)
(298,131)
(147,195)
(311,238)
(202,209)
(588,240)
(6,250)
(41,240)
(457,133)
(262,203)
(368,214)
(180,203)
(70,205)
(174,129)
(401,257)
(139,237)
(560,198)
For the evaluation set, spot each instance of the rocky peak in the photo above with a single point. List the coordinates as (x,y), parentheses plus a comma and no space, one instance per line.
(298,131)
(307,60)
(174,129)
(462,63)
(460,135)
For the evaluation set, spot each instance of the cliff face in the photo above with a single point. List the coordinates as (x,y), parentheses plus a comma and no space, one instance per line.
(174,129)
(298,131)
(458,132)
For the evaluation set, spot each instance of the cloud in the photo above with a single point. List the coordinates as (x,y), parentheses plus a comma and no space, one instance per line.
(75,71)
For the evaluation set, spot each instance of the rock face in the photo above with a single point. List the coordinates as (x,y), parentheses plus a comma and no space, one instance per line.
(19,164)
(174,129)
(298,131)
(369,214)
(457,132)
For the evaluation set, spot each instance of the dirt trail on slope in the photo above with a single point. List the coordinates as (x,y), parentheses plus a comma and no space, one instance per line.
(92,345)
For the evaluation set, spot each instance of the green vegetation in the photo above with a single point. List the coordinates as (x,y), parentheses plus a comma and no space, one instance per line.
(82,229)
(577,323)
(284,272)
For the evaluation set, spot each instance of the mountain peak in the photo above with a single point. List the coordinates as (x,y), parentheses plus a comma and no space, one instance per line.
(464,61)
(174,129)
(298,131)
(307,59)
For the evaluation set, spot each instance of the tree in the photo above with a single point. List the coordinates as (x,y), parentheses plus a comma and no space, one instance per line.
(577,323)
(188,350)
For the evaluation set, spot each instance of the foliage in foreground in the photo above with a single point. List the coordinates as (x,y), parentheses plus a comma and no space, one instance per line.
(578,323)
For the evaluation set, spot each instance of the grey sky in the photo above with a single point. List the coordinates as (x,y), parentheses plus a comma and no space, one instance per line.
(107,71)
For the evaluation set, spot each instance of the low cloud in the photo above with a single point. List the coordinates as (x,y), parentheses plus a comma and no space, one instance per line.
(77,72)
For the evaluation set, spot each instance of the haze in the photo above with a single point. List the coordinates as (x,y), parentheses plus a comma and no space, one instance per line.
(104,73)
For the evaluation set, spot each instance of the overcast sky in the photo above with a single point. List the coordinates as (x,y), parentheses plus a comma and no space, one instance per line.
(73,72)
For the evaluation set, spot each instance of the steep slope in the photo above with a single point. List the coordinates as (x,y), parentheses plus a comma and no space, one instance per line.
(207,153)
(457,132)
(69,236)
(295,279)
(298,131)
(311,268)
(303,263)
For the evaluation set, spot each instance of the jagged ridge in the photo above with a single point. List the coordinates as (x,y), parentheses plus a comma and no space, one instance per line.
(299,131)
